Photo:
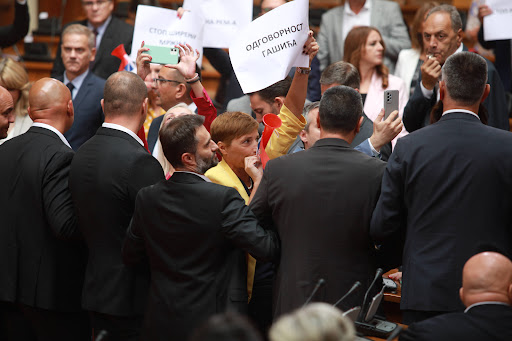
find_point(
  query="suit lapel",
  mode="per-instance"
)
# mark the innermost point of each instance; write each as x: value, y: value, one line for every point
x: 106, y: 41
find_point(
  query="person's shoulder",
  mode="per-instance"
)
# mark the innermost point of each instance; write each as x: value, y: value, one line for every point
x: 334, y: 12
x: 120, y: 25
x: 386, y: 4
x: 442, y: 327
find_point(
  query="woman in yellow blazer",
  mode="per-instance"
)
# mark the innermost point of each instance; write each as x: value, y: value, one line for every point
x: 236, y: 134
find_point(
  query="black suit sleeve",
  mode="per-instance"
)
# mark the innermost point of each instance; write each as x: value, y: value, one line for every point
x: 10, y: 34
x: 58, y: 205
x: 260, y: 204
x: 241, y: 227
x: 417, y: 111
x: 134, y: 251
x: 144, y: 171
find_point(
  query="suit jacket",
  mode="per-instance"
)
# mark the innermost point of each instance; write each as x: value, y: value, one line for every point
x: 38, y: 267
x: 106, y: 175
x: 194, y: 233
x: 88, y: 112
x: 117, y: 32
x: 447, y: 187
x: 385, y: 15
x: 417, y: 111
x: 10, y: 34
x: 339, y: 186
x: 480, y: 322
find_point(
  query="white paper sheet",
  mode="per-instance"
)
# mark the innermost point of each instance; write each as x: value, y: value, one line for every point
x: 498, y: 25
x: 267, y: 48
x: 162, y: 27
x: 223, y: 19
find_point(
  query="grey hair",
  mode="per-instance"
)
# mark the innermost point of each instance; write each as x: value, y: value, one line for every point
x: 81, y: 29
x: 452, y: 11
x: 341, y: 73
x: 465, y: 76
x: 307, y: 109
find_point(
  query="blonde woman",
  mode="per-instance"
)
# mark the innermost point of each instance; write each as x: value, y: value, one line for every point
x: 14, y: 78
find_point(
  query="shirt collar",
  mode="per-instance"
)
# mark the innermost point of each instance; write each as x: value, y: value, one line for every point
x: 124, y: 129
x: 460, y: 110
x: 101, y: 29
x: 202, y: 176
x: 77, y: 82
x: 367, y: 7
x: 49, y: 127
x: 484, y: 303
x: 192, y: 106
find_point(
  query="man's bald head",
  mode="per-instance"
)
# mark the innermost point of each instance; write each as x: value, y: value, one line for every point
x: 6, y: 111
x: 50, y: 102
x: 124, y: 94
x: 487, y: 276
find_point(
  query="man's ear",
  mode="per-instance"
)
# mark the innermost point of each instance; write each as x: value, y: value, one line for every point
x: 486, y: 93
x: 318, y: 121
x: 461, y: 294
x: 460, y: 36
x: 103, y: 106
x: 188, y: 159
x: 303, y: 136
x: 71, y: 109
x: 93, y: 54
x: 358, y: 126
x: 279, y: 101
x: 182, y: 90
x: 442, y: 90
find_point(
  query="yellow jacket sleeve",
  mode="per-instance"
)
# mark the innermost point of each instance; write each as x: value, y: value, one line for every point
x: 283, y: 137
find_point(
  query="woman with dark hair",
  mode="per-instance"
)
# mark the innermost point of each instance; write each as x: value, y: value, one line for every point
x: 364, y: 48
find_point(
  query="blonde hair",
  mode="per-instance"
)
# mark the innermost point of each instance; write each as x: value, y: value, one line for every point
x: 315, y: 322
x: 14, y: 77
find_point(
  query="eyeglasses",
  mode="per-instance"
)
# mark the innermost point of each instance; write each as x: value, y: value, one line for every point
x: 92, y: 3
x: 162, y: 80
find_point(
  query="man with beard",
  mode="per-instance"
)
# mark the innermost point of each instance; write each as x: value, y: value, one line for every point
x: 193, y: 233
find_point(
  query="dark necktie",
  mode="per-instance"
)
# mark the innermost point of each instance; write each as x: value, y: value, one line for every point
x: 71, y: 87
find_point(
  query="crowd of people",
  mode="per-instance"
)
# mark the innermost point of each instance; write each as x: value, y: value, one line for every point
x: 134, y: 208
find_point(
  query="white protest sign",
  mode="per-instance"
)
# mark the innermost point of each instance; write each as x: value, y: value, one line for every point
x: 266, y: 49
x: 162, y: 27
x: 498, y: 25
x: 223, y: 19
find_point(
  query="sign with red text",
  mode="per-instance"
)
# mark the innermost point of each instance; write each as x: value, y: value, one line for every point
x: 266, y: 49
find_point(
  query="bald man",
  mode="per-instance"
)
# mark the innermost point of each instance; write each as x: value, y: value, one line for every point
x: 6, y: 111
x: 42, y: 260
x: 487, y: 293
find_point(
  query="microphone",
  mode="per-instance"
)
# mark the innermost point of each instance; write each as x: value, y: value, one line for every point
x: 356, y: 286
x: 378, y: 275
x: 320, y: 282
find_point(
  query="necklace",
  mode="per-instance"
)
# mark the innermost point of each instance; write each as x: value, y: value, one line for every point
x: 250, y: 187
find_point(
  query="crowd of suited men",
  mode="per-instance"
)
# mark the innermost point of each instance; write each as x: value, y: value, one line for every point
x: 136, y: 208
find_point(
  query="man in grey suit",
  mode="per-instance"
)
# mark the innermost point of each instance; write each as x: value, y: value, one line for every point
x: 86, y: 88
x: 330, y: 239
x: 386, y: 16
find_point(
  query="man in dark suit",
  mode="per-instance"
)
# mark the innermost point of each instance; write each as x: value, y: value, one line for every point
x: 447, y: 187
x: 442, y: 35
x: 339, y: 186
x: 194, y: 234
x: 109, y: 31
x: 41, y: 274
x: 105, y: 176
x: 86, y: 88
x: 487, y: 293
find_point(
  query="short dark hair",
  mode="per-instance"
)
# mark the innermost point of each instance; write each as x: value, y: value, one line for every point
x: 341, y: 108
x: 123, y: 94
x: 179, y: 136
x: 341, y: 73
x: 279, y: 89
x: 228, y: 326
x: 465, y: 76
